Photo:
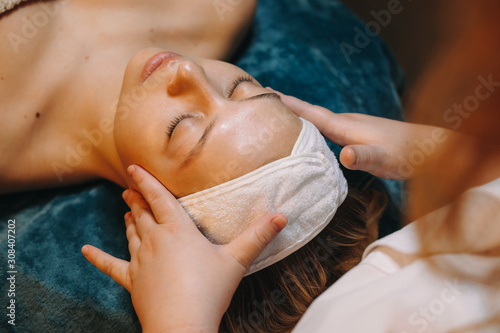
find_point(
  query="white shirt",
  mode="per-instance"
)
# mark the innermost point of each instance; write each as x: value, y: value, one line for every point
x: 394, y: 291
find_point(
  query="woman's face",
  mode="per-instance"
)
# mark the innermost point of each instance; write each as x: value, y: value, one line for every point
x: 196, y: 123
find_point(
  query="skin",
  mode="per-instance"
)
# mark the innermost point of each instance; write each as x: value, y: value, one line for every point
x: 154, y: 241
x: 56, y: 92
x: 66, y: 80
x: 47, y: 103
x: 198, y: 304
x: 239, y: 130
x: 371, y: 144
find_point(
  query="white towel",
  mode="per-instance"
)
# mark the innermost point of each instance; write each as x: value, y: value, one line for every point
x: 307, y: 187
x: 6, y: 5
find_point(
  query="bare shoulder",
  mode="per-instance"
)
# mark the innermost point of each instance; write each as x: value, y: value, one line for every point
x: 212, y: 28
x: 182, y: 12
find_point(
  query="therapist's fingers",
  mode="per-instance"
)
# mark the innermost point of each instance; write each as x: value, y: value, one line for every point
x: 133, y: 198
x: 134, y: 241
x: 321, y: 117
x: 129, y: 219
x: 373, y: 159
x: 141, y: 213
x: 363, y: 157
x: 131, y: 230
x: 340, y: 128
x: 248, y: 245
x: 163, y: 204
x: 299, y: 107
x: 109, y: 265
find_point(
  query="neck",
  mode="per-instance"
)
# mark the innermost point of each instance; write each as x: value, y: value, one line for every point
x: 105, y: 161
x: 87, y: 98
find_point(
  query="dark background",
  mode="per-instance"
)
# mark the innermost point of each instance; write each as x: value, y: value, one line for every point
x: 422, y: 30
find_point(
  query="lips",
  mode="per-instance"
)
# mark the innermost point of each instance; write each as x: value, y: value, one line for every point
x: 162, y: 58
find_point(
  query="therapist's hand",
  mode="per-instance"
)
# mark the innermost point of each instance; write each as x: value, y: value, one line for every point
x: 178, y: 280
x: 383, y: 147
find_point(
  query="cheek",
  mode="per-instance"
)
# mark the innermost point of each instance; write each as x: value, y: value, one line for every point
x: 132, y: 137
x: 127, y: 147
x: 138, y: 143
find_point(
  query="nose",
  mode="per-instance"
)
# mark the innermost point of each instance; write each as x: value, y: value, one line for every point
x: 190, y: 79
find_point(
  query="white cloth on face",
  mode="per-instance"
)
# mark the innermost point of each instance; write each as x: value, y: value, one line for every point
x: 307, y: 187
x: 396, y: 291
x: 6, y: 5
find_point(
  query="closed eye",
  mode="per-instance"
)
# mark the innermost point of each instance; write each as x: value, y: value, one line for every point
x: 239, y: 80
x: 173, y: 124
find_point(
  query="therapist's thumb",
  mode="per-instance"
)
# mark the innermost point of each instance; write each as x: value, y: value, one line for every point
x: 250, y: 243
x: 367, y: 158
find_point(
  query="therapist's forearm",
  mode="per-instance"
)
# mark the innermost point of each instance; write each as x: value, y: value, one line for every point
x: 460, y: 90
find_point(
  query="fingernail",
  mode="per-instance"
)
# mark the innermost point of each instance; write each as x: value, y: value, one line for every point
x: 85, y: 250
x: 131, y: 170
x: 354, y: 156
x: 125, y: 194
x: 278, y: 223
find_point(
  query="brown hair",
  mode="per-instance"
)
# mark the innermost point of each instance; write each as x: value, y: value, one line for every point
x: 274, y: 299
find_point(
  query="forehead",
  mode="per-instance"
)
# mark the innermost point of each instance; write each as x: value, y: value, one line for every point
x: 242, y: 140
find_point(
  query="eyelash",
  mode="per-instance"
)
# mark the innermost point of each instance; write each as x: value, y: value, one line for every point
x: 173, y: 124
x: 237, y: 82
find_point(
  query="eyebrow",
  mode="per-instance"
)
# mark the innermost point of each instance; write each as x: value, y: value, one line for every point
x: 266, y: 95
x: 199, y: 146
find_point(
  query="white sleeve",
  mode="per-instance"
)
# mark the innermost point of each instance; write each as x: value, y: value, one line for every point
x: 380, y: 295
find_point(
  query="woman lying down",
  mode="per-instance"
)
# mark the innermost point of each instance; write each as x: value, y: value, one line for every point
x: 228, y: 148
x: 231, y: 151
